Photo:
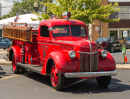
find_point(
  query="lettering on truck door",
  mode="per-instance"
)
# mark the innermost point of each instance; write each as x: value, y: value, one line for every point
x: 44, y: 42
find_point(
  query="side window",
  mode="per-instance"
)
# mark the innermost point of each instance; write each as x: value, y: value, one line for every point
x: 3, y: 40
x: 0, y: 39
x: 44, y: 32
x: 115, y: 40
x: 111, y: 40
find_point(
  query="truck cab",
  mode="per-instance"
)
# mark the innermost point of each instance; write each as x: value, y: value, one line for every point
x: 61, y: 49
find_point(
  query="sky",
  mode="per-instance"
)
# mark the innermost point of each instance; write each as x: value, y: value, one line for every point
x: 8, y: 3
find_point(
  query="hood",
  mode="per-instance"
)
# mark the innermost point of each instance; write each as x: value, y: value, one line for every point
x: 82, y: 44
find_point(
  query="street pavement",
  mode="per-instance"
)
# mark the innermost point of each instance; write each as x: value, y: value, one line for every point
x: 119, y: 65
x: 31, y: 85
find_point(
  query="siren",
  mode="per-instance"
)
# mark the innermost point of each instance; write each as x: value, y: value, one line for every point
x: 66, y: 15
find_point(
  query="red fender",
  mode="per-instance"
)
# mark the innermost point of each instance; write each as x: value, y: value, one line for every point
x: 16, y: 51
x: 62, y: 62
x: 106, y: 64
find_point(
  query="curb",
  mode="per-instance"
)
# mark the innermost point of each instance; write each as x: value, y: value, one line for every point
x: 123, y: 66
x: 118, y: 66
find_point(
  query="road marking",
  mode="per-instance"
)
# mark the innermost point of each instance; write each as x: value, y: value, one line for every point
x: 74, y: 83
x: 9, y: 77
x: 54, y: 90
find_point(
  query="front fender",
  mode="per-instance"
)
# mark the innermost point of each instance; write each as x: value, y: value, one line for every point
x: 63, y: 64
x: 107, y: 63
x: 16, y: 52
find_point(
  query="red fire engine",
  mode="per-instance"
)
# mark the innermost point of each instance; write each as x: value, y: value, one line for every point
x: 61, y: 49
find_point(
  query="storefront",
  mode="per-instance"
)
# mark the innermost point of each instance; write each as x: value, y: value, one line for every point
x: 121, y: 29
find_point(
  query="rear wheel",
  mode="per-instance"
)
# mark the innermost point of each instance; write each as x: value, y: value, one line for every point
x: 16, y: 69
x: 104, y: 81
x: 57, y: 79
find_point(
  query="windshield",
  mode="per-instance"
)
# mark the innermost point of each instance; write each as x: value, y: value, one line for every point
x: 59, y: 31
x: 102, y: 39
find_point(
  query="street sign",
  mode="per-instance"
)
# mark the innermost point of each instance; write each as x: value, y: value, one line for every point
x: 123, y: 50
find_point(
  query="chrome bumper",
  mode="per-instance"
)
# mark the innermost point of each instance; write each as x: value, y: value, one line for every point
x: 90, y: 74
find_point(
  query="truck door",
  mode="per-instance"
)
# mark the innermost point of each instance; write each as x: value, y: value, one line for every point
x: 44, y: 44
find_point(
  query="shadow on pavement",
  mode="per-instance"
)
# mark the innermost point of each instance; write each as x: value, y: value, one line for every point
x: 1, y: 68
x: 89, y: 86
x: 38, y: 77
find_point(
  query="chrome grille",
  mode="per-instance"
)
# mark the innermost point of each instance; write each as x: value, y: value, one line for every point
x: 88, y: 63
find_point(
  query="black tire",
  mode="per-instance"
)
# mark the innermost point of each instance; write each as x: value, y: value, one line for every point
x: 57, y: 79
x: 104, y: 81
x: 16, y: 69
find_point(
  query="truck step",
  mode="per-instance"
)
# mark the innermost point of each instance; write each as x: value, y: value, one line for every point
x: 34, y: 68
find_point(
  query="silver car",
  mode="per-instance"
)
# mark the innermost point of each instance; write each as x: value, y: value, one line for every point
x: 126, y: 42
x: 4, y: 43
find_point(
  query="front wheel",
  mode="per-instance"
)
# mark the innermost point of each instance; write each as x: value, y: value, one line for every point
x: 16, y: 69
x: 104, y: 81
x: 57, y: 79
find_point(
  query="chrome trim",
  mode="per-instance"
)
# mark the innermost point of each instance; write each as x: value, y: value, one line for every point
x: 90, y: 74
x: 87, y: 52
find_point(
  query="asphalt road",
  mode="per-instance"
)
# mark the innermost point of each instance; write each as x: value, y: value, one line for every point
x: 119, y: 57
x: 35, y: 86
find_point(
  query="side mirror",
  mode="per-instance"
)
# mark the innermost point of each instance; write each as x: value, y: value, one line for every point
x: 50, y: 29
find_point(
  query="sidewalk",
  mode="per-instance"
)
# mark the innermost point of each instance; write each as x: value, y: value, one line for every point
x: 118, y: 66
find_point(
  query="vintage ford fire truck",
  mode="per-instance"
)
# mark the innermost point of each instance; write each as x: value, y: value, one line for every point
x: 61, y: 49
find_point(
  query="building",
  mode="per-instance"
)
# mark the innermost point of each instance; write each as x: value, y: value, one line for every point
x: 98, y: 29
x: 121, y: 29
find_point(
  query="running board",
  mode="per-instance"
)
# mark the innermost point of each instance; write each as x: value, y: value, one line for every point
x: 34, y: 68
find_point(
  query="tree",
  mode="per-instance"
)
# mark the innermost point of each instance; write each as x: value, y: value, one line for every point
x: 84, y: 10
x: 24, y: 7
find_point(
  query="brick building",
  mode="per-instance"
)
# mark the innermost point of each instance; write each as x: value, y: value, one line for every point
x: 98, y: 29
x: 120, y: 29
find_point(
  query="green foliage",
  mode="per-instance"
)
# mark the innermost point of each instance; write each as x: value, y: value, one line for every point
x: 84, y: 10
x: 24, y: 7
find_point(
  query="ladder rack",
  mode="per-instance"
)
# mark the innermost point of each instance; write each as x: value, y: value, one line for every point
x: 17, y: 32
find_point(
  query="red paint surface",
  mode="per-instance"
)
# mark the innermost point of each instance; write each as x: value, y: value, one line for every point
x: 42, y: 49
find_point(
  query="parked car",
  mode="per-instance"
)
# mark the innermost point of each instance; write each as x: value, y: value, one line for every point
x: 4, y: 43
x: 127, y: 42
x: 112, y: 44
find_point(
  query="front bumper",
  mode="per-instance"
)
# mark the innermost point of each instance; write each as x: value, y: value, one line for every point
x: 90, y: 74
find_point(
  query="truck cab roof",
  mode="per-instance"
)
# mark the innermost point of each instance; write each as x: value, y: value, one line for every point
x: 56, y: 22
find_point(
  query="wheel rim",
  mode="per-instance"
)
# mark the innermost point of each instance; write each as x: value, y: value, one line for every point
x: 54, y: 76
x: 13, y: 64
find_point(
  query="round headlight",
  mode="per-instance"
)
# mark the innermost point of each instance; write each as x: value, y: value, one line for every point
x: 72, y: 54
x: 104, y: 53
